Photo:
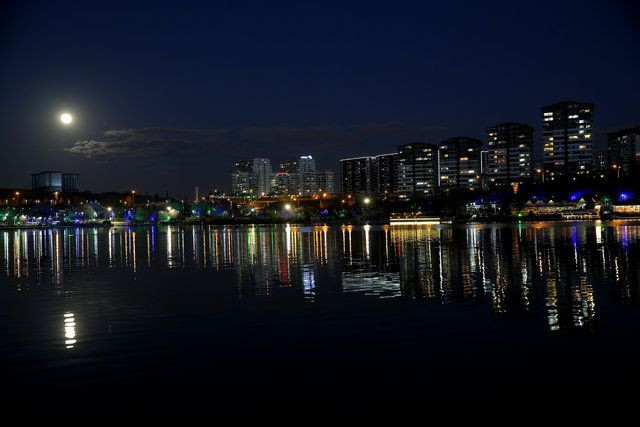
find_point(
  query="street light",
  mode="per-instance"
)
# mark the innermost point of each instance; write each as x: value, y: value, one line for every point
x: 367, y: 200
x: 133, y: 197
x: 287, y: 206
x: 617, y: 168
x: 541, y: 171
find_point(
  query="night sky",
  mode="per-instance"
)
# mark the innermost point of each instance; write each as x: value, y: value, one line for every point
x: 166, y: 96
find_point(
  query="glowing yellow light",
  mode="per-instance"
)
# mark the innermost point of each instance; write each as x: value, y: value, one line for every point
x: 66, y: 118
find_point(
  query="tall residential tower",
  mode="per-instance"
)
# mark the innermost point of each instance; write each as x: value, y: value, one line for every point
x: 416, y: 169
x: 460, y: 162
x: 567, y: 133
x: 510, y: 154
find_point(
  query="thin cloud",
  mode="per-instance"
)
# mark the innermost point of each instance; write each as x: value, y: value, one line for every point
x: 150, y: 142
x: 247, y: 142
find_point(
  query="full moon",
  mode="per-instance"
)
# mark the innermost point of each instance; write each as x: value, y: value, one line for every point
x: 66, y: 118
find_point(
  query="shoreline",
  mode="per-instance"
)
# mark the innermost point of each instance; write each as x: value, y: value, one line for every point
x: 360, y: 223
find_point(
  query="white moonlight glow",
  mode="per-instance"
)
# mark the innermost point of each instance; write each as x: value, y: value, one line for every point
x: 66, y: 118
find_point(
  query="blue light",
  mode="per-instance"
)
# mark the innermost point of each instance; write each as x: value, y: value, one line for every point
x: 624, y: 196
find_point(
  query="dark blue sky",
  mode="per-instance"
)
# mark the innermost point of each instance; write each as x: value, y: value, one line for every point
x: 167, y: 95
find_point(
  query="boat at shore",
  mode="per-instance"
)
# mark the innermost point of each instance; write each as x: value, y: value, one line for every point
x: 416, y: 218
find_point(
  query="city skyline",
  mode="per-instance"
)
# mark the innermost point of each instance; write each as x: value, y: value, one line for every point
x: 318, y: 205
x: 326, y: 81
x: 508, y: 149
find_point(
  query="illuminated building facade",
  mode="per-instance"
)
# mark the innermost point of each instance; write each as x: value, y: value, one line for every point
x: 510, y: 153
x: 307, y: 178
x: 484, y: 168
x: 355, y: 175
x: 295, y: 177
x: 325, y: 181
x: 284, y: 183
x: 54, y: 181
x: 383, y: 174
x: 261, y: 176
x: 601, y: 164
x: 460, y: 162
x: 567, y: 132
x: 70, y: 183
x: 251, y: 177
x: 624, y: 149
x: 289, y: 166
x: 370, y: 175
x: 416, y: 169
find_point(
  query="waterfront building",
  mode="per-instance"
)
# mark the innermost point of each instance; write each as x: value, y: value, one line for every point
x: 567, y: 133
x: 484, y: 168
x: 416, y: 169
x: 307, y: 178
x: 251, y: 177
x: 284, y: 183
x: 383, y: 174
x: 325, y: 181
x: 295, y: 177
x: 70, y: 183
x: 623, y: 148
x: 601, y: 164
x: 55, y: 181
x: 370, y: 175
x: 261, y: 176
x: 460, y: 162
x: 355, y: 176
x: 510, y: 153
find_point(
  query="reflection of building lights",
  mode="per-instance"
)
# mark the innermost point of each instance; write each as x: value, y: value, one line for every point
x: 69, y: 330
x: 288, y: 237
x: 367, y: 227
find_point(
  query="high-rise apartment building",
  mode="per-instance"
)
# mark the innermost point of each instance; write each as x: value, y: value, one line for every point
x: 289, y: 166
x: 241, y: 178
x: 325, y: 181
x: 416, y: 169
x: 601, y: 164
x: 510, y: 153
x: 370, y: 175
x: 460, y: 162
x: 251, y: 177
x: 567, y: 133
x: 307, y: 178
x: 355, y: 176
x: 383, y: 174
x: 284, y: 183
x: 295, y: 177
x: 623, y: 147
x: 261, y: 176
x: 53, y: 181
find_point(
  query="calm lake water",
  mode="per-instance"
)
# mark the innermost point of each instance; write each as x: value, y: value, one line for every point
x: 153, y: 309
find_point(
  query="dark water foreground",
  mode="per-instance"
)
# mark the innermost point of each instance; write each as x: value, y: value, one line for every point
x: 271, y: 315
